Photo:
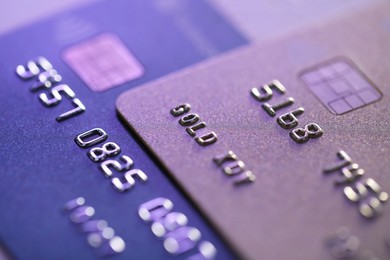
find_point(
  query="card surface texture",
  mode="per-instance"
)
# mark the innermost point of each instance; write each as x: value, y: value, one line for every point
x: 64, y: 142
x: 260, y: 145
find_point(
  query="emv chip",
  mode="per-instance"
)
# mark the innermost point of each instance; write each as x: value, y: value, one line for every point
x: 340, y: 86
x: 103, y: 62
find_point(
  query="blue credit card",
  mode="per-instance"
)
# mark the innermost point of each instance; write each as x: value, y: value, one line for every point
x: 64, y: 145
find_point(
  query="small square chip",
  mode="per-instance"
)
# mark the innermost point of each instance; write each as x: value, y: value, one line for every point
x: 340, y: 86
x: 103, y: 62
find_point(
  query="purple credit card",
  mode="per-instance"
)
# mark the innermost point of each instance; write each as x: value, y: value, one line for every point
x: 258, y: 141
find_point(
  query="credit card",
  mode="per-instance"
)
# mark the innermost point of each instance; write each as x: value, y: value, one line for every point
x: 283, y: 145
x: 64, y: 145
x: 64, y: 142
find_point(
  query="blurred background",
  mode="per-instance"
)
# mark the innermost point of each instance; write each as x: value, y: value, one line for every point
x: 257, y: 19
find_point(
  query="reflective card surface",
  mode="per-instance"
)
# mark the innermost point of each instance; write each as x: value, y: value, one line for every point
x: 65, y: 145
x: 262, y: 149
